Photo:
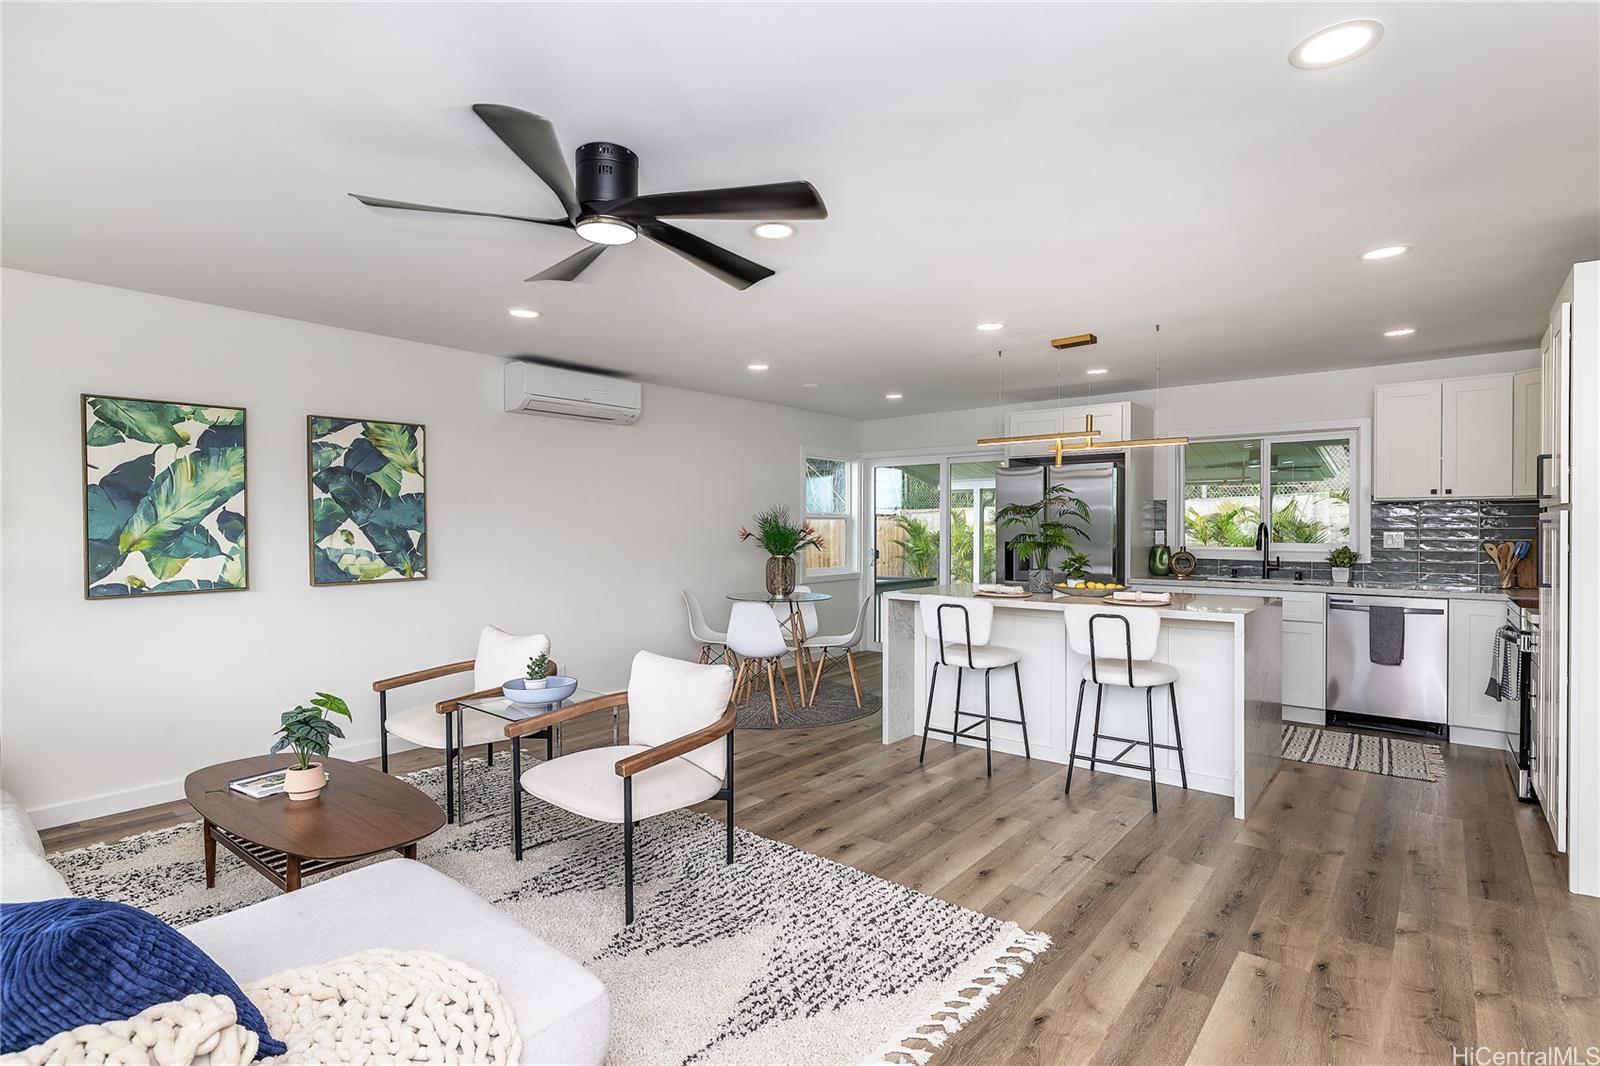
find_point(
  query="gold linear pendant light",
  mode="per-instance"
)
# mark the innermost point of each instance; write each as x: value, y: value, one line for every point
x: 1084, y: 440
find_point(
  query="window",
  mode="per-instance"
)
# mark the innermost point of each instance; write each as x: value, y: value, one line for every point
x: 830, y: 493
x: 1302, y: 483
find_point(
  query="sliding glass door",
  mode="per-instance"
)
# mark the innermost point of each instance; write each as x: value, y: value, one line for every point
x: 970, y: 512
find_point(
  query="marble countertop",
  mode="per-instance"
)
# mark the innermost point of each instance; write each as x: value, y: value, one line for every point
x: 1190, y: 605
x: 1270, y: 585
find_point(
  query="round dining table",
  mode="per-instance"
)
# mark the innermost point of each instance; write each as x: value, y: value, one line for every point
x: 796, y: 623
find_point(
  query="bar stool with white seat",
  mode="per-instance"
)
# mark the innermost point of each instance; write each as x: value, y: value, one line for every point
x: 1120, y: 643
x: 947, y: 618
x: 755, y: 637
x: 713, y: 644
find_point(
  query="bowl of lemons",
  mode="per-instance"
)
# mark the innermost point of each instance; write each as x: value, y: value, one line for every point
x: 1095, y: 589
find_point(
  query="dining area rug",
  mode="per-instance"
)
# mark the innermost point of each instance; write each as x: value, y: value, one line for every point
x: 781, y: 956
x: 835, y: 704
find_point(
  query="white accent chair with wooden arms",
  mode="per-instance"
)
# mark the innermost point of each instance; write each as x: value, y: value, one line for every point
x: 501, y: 657
x: 680, y: 752
x: 840, y: 642
x: 713, y: 644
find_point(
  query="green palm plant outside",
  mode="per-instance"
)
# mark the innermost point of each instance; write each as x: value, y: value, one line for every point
x: 1232, y: 525
x: 1290, y: 527
x: 919, y: 547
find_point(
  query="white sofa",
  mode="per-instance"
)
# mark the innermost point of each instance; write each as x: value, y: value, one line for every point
x: 561, y: 1009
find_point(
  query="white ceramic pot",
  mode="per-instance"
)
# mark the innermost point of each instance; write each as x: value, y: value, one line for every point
x: 530, y: 683
x: 305, y: 784
x: 1341, y: 575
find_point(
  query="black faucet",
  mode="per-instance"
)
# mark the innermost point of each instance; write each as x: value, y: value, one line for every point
x: 1263, y: 542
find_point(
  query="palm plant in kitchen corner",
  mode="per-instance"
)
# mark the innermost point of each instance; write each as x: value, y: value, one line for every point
x: 1049, y: 526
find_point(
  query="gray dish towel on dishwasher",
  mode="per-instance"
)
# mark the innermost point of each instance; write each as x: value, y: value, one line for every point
x: 1386, y: 635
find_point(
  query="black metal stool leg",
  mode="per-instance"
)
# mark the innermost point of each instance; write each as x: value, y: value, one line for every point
x: 1177, y: 734
x: 927, y: 720
x: 627, y: 849
x: 488, y: 754
x: 1094, y: 741
x: 1077, y: 721
x: 1150, y: 722
x: 1016, y: 672
x: 955, y: 721
x: 988, y: 730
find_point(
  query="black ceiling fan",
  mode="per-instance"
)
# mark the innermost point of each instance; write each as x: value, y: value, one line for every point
x: 605, y: 208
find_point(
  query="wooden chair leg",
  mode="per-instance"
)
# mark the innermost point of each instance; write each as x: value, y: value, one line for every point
x: 772, y: 689
x: 738, y: 684
x: 816, y: 675
x: 705, y: 653
x: 788, y: 697
x: 855, y: 679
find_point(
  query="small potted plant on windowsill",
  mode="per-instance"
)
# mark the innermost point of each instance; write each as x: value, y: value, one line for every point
x: 308, y: 730
x: 1341, y: 559
x: 538, y: 671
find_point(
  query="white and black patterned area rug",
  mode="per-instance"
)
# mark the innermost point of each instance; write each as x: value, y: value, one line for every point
x: 1389, y: 756
x: 782, y: 957
x: 835, y: 703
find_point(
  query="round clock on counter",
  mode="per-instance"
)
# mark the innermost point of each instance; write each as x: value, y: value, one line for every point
x: 1183, y: 563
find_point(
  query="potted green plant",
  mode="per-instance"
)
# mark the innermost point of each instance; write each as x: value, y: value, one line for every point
x: 782, y: 540
x: 1049, y: 526
x: 1341, y: 559
x: 538, y: 671
x: 307, y: 731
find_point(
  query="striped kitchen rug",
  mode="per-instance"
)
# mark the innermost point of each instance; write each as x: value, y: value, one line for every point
x: 1410, y: 759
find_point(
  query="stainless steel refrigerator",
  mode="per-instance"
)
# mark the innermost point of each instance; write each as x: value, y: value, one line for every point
x: 1098, y: 481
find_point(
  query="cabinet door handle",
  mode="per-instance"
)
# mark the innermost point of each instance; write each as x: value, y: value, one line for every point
x: 1448, y: 491
x: 1433, y: 492
x: 1538, y: 473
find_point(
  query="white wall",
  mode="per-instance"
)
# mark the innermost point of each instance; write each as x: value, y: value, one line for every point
x: 584, y: 532
x: 1202, y: 410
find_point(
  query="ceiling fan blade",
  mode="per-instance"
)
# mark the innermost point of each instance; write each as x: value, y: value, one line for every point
x: 570, y: 267
x: 401, y: 205
x: 734, y: 269
x: 785, y: 199
x: 533, y: 139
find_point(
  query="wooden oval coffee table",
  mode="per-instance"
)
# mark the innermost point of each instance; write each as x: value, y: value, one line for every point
x: 361, y: 812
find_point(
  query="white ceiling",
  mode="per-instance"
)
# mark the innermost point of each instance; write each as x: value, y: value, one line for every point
x: 1061, y: 168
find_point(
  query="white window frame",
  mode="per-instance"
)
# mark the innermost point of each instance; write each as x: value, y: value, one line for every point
x: 851, y: 566
x: 1359, y: 433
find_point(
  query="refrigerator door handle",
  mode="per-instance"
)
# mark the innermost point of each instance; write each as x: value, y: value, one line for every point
x: 1538, y: 474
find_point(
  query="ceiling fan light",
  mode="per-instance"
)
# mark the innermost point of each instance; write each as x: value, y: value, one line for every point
x: 603, y: 229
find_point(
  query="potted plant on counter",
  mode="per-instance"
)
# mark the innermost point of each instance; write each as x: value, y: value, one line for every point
x: 1341, y: 560
x: 782, y: 541
x: 308, y: 730
x: 1049, y: 526
x: 538, y: 671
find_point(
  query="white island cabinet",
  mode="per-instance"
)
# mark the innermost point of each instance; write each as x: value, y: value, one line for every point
x: 1227, y: 651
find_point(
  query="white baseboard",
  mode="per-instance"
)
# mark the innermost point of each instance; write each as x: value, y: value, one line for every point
x: 131, y: 799
x: 1304, y: 715
x: 1480, y: 738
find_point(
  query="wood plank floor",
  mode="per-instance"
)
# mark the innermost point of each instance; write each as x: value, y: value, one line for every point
x: 1352, y: 918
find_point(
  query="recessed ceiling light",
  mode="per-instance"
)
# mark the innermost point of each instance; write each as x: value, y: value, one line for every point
x: 756, y: 366
x: 893, y: 396
x: 1337, y: 44
x: 773, y: 231
x: 1405, y: 332
x: 1388, y: 251
x: 990, y: 327
x: 603, y: 229
x: 1097, y: 370
x: 523, y: 312
x: 812, y: 385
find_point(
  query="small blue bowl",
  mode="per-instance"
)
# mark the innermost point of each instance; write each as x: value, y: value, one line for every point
x: 555, y: 690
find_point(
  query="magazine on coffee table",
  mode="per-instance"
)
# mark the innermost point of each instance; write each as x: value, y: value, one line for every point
x: 260, y: 786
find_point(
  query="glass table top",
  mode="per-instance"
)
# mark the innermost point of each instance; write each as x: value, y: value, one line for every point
x: 767, y: 597
x: 506, y: 710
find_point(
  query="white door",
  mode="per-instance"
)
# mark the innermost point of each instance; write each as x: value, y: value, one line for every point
x: 1473, y: 624
x: 1549, y: 779
x: 1527, y: 421
x: 1304, y: 669
x: 1406, y: 440
x: 1477, y: 444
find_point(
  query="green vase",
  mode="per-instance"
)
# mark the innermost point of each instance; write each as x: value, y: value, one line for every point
x: 1160, y: 561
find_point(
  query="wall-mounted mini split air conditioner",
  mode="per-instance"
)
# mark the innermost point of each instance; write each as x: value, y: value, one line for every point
x: 535, y: 389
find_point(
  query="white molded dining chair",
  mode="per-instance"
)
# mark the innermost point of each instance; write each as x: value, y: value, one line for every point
x: 961, y: 627
x: 845, y: 642
x: 1120, y: 644
x: 785, y: 613
x: 755, y: 637
x: 713, y: 643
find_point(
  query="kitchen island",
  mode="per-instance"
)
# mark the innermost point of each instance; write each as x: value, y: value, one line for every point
x: 1227, y: 651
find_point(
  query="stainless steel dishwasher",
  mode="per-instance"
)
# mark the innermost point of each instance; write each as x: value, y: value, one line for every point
x: 1409, y: 696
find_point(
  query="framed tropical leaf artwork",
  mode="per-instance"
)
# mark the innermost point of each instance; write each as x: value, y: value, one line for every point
x: 369, y: 512
x: 163, y: 496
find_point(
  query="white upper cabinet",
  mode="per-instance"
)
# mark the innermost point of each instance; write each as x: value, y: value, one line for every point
x: 1111, y: 419
x: 1406, y: 436
x: 1476, y: 453
x: 1474, y: 437
x: 1527, y: 424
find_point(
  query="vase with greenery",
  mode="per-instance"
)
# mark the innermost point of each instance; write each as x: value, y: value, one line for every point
x: 782, y: 540
x: 538, y: 671
x: 307, y: 731
x: 1049, y: 526
x: 1341, y: 559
